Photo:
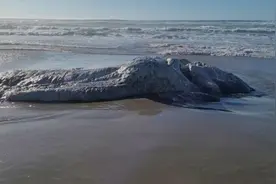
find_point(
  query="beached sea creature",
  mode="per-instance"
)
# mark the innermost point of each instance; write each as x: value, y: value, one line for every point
x: 168, y: 81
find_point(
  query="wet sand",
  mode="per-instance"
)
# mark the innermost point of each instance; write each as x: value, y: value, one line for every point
x: 134, y: 141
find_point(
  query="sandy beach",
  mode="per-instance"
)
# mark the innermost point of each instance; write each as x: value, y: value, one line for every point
x: 134, y: 141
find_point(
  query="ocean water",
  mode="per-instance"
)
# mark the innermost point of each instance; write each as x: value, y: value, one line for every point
x: 216, y: 38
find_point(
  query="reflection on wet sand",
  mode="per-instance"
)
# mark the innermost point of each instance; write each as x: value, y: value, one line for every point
x: 139, y: 106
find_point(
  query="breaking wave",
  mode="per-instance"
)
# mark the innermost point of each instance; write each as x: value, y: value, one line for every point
x: 218, y: 38
x: 210, y: 29
x: 52, y: 30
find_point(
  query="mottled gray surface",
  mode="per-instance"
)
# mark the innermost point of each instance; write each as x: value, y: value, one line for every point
x: 214, y: 81
x: 176, y: 80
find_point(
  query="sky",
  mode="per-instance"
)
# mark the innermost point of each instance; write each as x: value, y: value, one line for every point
x: 140, y: 9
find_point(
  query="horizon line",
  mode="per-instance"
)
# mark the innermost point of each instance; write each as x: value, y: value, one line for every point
x: 114, y: 19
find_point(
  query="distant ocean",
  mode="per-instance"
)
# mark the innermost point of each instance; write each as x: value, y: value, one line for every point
x: 216, y: 38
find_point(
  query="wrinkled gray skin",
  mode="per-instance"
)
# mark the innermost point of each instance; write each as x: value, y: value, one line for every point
x: 162, y: 80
